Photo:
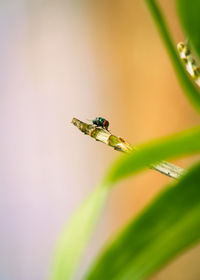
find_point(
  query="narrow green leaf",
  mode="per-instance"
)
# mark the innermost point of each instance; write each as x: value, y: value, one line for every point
x: 168, y: 147
x: 77, y: 233
x: 165, y: 228
x: 189, y: 88
x: 75, y: 236
x: 189, y: 12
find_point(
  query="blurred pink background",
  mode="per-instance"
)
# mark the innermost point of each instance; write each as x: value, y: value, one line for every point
x: 81, y: 59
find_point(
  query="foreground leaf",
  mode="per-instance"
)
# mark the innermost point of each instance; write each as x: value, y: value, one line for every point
x: 75, y: 237
x: 189, y: 12
x: 146, y: 154
x: 167, y: 226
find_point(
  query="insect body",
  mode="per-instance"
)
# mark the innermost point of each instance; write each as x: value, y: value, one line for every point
x: 101, y: 122
x: 190, y: 64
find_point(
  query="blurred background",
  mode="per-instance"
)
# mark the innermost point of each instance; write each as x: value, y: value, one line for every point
x: 84, y: 59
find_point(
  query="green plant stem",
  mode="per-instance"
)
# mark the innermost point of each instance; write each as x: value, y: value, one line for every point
x: 121, y: 145
x: 189, y: 88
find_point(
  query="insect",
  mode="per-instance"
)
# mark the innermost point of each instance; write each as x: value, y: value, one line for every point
x: 101, y: 122
x: 190, y: 64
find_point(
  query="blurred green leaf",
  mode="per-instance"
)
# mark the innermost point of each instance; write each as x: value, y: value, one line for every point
x: 189, y: 12
x: 189, y: 88
x: 76, y: 235
x: 165, y: 228
x: 168, y: 147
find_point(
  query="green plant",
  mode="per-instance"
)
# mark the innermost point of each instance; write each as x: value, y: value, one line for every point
x: 170, y: 223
